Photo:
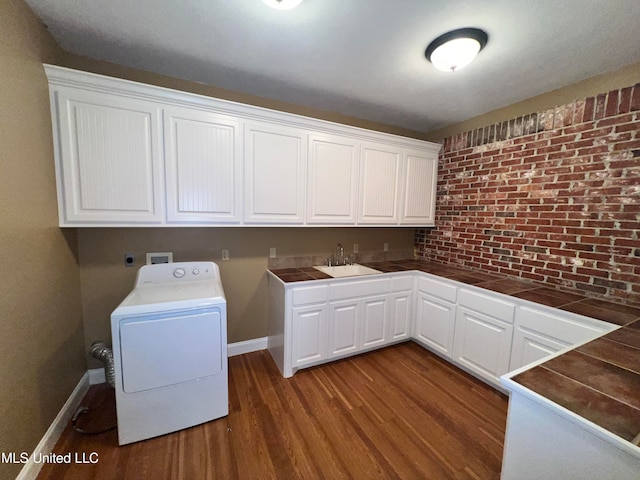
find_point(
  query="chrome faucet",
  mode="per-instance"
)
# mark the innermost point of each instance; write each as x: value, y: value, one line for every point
x: 339, y: 257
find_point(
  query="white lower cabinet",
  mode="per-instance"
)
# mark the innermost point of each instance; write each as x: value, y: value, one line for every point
x: 435, y: 315
x: 357, y: 324
x: 483, y: 334
x: 481, y: 331
x: 375, y: 317
x: 482, y: 344
x: 435, y: 322
x: 358, y: 315
x: 343, y: 327
x: 309, y: 334
x: 400, y: 317
x: 541, y: 332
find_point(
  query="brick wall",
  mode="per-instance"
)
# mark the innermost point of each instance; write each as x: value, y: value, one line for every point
x: 551, y: 197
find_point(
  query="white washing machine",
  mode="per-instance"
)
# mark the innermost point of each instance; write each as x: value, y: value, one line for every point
x: 169, y: 341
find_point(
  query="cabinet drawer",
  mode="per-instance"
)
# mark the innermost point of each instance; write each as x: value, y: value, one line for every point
x: 560, y: 327
x: 405, y: 282
x: 306, y: 295
x: 356, y: 289
x: 491, y: 306
x: 437, y: 288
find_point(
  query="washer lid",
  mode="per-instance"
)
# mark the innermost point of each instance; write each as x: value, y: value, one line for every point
x: 171, y: 296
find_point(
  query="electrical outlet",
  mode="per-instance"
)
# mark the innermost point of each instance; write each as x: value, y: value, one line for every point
x: 355, y: 248
x: 386, y: 247
x: 272, y: 252
x: 225, y: 254
x: 129, y: 259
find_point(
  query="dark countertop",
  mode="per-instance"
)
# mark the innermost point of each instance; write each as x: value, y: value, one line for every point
x: 600, y: 380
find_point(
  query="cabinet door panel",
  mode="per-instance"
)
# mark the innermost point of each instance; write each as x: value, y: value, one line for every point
x: 529, y: 346
x: 374, y: 321
x: 482, y: 343
x: 343, y: 327
x: 435, y: 323
x: 380, y: 181
x: 275, y: 169
x: 400, y: 321
x: 418, y: 203
x: 309, y: 331
x: 202, y: 167
x: 333, y: 180
x: 111, y: 160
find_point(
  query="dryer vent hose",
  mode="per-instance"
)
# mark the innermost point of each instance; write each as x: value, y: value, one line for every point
x: 100, y: 351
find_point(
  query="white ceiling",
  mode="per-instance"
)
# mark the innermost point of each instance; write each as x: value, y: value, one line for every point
x: 363, y: 58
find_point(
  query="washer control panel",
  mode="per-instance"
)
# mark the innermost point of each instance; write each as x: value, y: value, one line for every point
x: 177, y: 272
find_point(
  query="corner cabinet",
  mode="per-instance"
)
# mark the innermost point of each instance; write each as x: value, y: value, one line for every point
x: 129, y: 154
x: 420, y: 174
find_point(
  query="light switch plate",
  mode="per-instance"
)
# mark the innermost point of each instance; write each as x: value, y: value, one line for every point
x: 272, y: 252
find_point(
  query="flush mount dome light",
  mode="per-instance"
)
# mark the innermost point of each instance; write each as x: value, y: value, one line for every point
x: 456, y: 49
x: 283, y: 4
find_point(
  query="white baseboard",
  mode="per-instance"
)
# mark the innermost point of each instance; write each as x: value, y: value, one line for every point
x: 45, y: 446
x: 248, y: 346
x: 96, y: 376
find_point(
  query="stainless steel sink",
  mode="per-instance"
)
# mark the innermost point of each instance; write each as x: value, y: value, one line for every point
x: 346, y: 270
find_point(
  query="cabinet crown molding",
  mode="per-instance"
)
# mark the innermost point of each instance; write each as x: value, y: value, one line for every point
x: 68, y: 77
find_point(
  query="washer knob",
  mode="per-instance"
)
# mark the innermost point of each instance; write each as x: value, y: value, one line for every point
x: 196, y: 271
x: 179, y: 272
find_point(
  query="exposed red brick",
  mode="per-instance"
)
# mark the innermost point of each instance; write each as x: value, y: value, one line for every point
x: 635, y: 98
x: 612, y: 103
x: 600, y: 106
x: 589, y: 108
x: 528, y: 206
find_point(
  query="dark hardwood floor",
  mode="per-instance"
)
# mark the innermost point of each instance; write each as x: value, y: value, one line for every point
x: 399, y: 412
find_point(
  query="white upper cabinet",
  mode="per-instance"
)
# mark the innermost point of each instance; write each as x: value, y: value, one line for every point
x: 380, y: 182
x: 332, y: 180
x: 109, y: 163
x: 203, y: 160
x: 419, y: 193
x: 275, y: 174
x: 129, y: 154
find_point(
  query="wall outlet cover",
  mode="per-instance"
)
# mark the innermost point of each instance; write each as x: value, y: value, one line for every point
x: 159, y: 257
x: 129, y: 259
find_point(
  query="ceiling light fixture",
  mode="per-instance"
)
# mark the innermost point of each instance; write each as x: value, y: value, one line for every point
x: 456, y: 49
x: 283, y: 4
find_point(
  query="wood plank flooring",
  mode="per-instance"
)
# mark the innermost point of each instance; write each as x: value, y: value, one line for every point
x: 400, y: 412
